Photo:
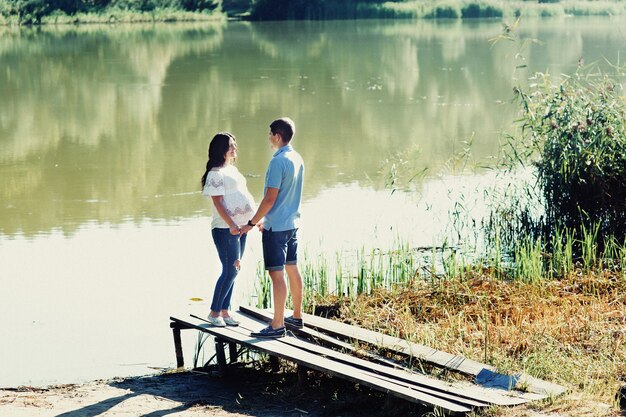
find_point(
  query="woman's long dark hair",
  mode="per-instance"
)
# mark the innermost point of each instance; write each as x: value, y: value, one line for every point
x: 220, y: 144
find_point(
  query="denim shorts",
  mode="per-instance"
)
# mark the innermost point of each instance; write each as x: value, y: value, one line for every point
x: 280, y: 249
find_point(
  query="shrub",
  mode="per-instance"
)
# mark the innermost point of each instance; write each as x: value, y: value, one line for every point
x: 197, y: 5
x: 444, y: 11
x: 578, y: 130
x: 473, y: 10
x: 31, y: 11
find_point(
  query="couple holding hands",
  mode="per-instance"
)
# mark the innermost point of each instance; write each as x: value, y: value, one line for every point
x: 235, y: 214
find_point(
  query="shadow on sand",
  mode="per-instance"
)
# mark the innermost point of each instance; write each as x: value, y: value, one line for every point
x: 251, y: 391
x: 240, y: 392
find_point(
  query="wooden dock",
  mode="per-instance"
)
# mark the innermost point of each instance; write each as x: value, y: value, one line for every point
x: 329, y: 346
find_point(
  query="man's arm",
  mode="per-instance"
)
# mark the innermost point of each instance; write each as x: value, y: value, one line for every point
x: 266, y: 205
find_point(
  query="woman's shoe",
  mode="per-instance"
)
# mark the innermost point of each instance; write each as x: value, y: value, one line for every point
x: 230, y: 321
x: 216, y: 321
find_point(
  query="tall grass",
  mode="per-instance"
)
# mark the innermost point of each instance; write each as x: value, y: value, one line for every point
x: 534, y: 260
x: 263, y: 286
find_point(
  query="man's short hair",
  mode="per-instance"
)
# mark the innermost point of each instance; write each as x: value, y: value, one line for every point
x: 285, y: 127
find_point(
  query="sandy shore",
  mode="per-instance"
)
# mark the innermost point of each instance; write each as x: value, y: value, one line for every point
x: 243, y: 392
x: 179, y: 394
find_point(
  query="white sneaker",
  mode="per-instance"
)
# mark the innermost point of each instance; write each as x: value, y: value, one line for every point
x: 230, y: 321
x: 216, y: 321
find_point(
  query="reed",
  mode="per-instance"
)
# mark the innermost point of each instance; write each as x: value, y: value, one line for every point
x: 534, y: 260
x: 198, y: 355
x: 263, y: 287
x: 562, y: 260
x: 529, y: 261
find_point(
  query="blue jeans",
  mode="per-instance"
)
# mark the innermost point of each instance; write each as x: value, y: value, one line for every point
x: 229, y: 248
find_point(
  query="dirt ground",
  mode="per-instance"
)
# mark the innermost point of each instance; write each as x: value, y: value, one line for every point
x: 244, y: 391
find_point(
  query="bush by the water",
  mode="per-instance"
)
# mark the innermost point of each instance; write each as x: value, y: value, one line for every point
x: 317, y: 9
x: 577, y: 128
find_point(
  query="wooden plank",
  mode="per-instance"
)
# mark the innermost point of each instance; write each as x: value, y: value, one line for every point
x: 368, y: 367
x: 425, y: 353
x: 202, y: 328
x: 302, y: 344
x: 333, y: 368
x: 436, y: 357
x: 321, y: 338
x: 250, y: 324
x: 475, y: 395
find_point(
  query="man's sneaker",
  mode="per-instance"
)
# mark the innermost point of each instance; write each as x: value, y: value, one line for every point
x: 216, y: 321
x: 269, y: 333
x: 294, y: 322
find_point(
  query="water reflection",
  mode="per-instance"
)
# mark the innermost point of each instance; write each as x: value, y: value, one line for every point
x: 112, y: 124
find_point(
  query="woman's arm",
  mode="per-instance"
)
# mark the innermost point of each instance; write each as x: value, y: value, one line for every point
x: 218, y: 201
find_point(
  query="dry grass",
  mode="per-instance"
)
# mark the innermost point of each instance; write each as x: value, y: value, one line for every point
x: 570, y: 331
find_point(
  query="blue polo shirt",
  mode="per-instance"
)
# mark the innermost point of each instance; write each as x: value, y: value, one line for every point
x: 285, y: 172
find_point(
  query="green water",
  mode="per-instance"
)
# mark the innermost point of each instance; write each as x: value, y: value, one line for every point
x: 103, y: 139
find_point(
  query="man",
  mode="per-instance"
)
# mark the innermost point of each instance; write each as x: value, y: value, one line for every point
x: 280, y: 208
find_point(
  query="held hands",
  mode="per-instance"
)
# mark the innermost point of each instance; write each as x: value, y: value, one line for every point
x: 235, y: 230
x: 247, y: 227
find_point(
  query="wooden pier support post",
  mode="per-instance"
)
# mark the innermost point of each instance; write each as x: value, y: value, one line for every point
x: 178, y: 347
x: 302, y: 376
x: 232, y: 352
x: 274, y: 363
x: 221, y: 356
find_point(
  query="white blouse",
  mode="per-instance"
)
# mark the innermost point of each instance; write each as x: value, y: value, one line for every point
x: 239, y: 204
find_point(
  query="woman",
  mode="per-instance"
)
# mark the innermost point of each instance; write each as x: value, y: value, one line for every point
x: 232, y: 207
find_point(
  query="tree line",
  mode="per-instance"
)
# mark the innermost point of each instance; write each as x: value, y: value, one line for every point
x: 34, y: 11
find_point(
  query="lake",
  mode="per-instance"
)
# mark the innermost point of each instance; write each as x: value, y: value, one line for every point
x: 103, y: 140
